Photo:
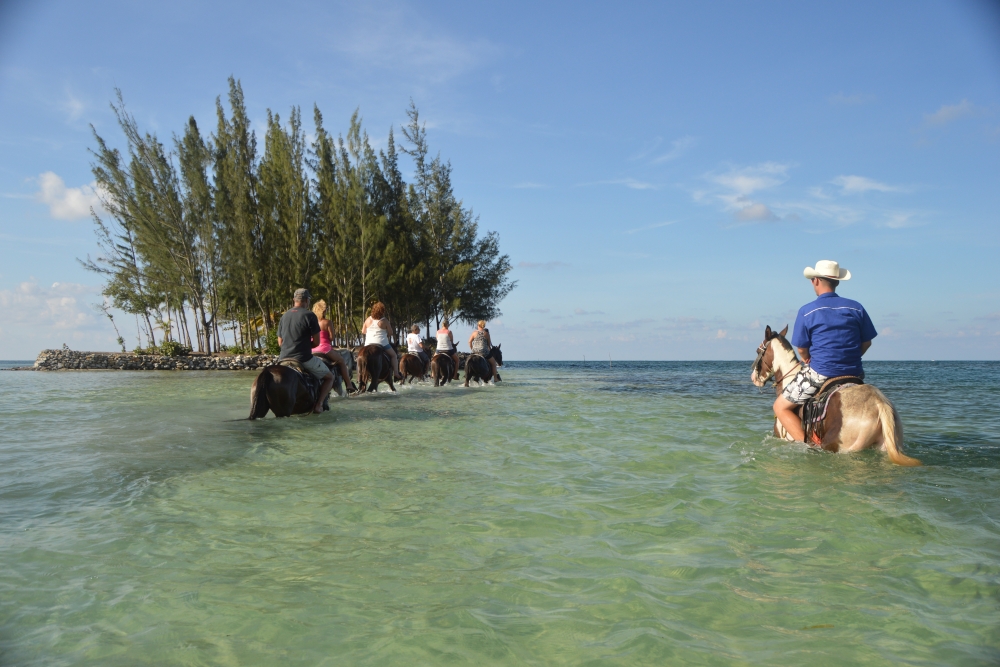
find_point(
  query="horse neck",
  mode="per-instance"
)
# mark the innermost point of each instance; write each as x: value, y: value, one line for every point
x: 784, y: 361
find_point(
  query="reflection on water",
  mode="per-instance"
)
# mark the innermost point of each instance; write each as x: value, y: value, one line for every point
x: 576, y: 514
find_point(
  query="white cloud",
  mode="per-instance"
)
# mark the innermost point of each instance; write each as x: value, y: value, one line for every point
x: 950, y: 112
x: 65, y: 203
x: 72, y: 106
x: 850, y: 185
x: 747, y: 180
x: 755, y: 213
x: 680, y: 146
x: 900, y: 220
x: 632, y: 184
x: 402, y: 41
x: 37, y: 317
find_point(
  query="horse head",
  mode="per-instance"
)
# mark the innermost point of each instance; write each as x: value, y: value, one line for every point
x: 497, y: 355
x: 765, y: 365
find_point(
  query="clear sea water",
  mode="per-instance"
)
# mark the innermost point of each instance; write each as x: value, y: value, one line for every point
x: 575, y: 515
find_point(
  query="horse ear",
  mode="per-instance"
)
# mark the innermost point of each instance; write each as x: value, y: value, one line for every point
x: 783, y: 331
x: 498, y: 346
x: 767, y: 332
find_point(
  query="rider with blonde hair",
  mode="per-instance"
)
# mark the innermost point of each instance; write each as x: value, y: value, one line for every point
x: 325, y: 347
x: 377, y: 328
x: 481, y: 344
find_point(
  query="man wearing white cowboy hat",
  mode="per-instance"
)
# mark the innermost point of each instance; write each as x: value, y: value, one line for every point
x: 831, y: 334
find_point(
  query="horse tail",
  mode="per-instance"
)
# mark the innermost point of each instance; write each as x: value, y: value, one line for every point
x: 892, y: 432
x: 363, y: 376
x: 259, y: 404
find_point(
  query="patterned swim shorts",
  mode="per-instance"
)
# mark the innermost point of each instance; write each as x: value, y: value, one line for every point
x: 803, y: 386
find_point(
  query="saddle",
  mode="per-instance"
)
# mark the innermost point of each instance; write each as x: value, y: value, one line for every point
x: 311, y: 382
x: 813, y: 412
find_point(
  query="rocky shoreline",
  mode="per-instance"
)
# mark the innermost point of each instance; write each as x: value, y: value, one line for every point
x: 62, y: 360
x: 58, y: 360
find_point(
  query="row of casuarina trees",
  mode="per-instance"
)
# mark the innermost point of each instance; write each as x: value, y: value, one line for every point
x: 215, y: 232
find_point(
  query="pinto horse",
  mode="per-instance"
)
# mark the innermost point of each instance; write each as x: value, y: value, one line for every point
x: 410, y: 367
x: 857, y: 416
x: 442, y: 369
x: 284, y: 391
x: 374, y: 366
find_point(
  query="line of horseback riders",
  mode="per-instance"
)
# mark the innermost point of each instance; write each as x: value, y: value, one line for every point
x: 302, y: 379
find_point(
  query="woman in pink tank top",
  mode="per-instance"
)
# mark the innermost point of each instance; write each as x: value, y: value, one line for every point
x: 325, y: 347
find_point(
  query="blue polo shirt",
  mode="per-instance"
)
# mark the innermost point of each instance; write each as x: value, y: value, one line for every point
x: 833, y: 329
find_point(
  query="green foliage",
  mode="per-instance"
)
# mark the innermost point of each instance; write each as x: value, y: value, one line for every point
x: 219, y: 231
x: 271, y: 345
x: 168, y: 348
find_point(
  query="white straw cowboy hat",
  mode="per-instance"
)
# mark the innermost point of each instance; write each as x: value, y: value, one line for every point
x: 826, y: 268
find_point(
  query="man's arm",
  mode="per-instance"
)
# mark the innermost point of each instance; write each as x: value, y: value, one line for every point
x: 864, y: 347
x: 280, y: 342
x: 315, y: 340
x: 804, y: 354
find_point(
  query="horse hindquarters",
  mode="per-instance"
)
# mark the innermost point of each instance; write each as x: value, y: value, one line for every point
x: 259, y: 404
x: 859, y: 417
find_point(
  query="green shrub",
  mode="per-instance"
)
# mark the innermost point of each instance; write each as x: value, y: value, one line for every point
x: 271, y: 342
x: 172, y: 348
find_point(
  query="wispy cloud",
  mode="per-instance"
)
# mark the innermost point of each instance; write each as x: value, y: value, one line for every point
x: 744, y: 181
x: 65, y: 203
x: 851, y: 100
x: 850, y: 185
x: 680, y: 146
x: 755, y: 213
x: 949, y: 112
x: 630, y: 183
x: 403, y: 41
x: 654, y: 226
x: 543, y: 311
x: 529, y: 186
x: 545, y: 266
x: 72, y: 106
x: 581, y: 311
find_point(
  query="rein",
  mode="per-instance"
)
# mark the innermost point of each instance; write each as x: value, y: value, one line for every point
x: 759, y: 366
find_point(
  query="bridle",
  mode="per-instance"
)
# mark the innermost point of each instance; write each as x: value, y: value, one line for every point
x: 759, y: 368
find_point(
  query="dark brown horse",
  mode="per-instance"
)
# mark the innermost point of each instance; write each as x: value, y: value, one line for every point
x: 374, y: 366
x: 478, y: 368
x: 410, y: 367
x: 284, y: 391
x: 442, y: 369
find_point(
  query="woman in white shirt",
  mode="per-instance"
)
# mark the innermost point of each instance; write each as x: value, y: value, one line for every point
x: 377, y: 329
x: 446, y: 344
x: 416, y: 346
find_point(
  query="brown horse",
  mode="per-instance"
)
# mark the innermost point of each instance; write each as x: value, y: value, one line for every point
x: 410, y: 367
x: 478, y: 368
x: 857, y: 417
x: 374, y: 366
x: 442, y: 369
x: 284, y: 391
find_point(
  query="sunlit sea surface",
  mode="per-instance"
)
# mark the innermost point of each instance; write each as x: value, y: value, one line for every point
x: 575, y: 515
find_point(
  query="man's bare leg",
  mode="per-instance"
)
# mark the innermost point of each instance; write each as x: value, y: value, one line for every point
x: 324, y: 390
x: 784, y: 410
x: 493, y: 367
x: 454, y: 357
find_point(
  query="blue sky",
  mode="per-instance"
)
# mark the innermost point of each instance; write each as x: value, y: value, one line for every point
x: 659, y: 173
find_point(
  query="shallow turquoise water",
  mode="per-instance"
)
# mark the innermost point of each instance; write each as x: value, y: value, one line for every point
x: 574, y: 515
